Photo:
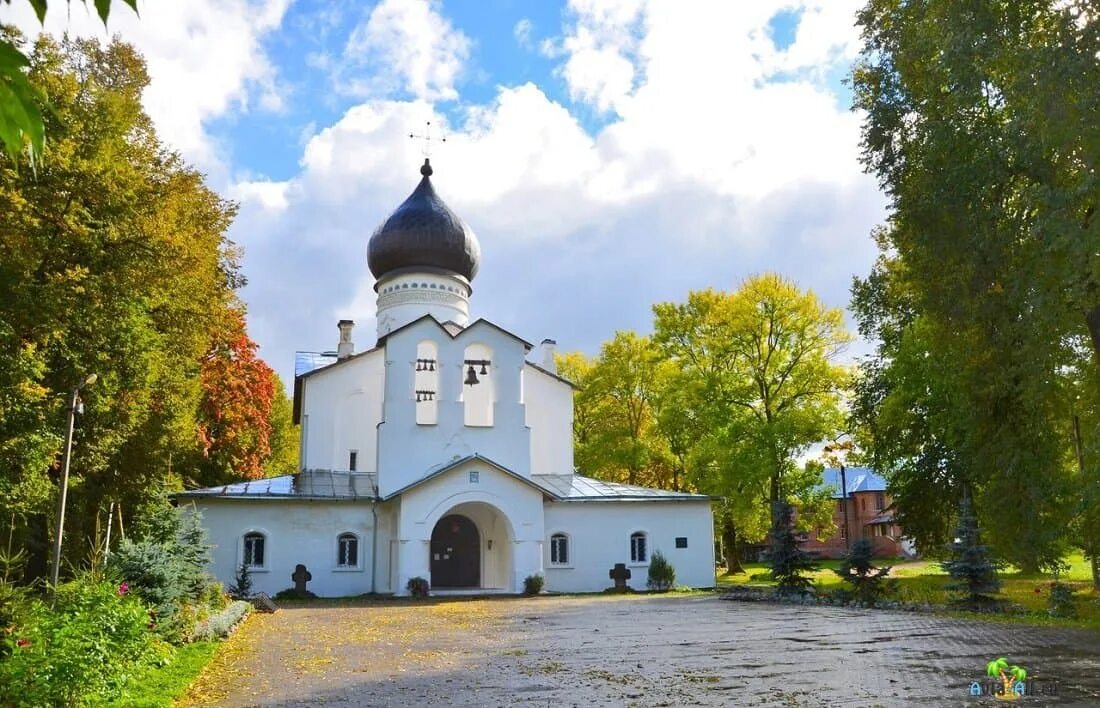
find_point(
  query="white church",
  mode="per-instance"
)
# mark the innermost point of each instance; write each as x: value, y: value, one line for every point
x: 442, y: 453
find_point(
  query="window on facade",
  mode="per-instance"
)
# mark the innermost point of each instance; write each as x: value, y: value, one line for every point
x: 880, y: 501
x: 638, y: 551
x: 559, y: 549
x: 254, y: 550
x: 426, y: 383
x: 843, y: 531
x: 353, y: 460
x: 681, y: 542
x: 840, y: 506
x: 347, y: 550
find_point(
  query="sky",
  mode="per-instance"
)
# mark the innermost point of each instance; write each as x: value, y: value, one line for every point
x: 609, y: 154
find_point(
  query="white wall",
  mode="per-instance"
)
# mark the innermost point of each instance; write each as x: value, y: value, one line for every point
x: 408, y: 451
x: 549, y: 409
x: 599, y: 537
x: 295, y: 532
x: 404, y: 297
x: 516, y: 528
x: 341, y: 409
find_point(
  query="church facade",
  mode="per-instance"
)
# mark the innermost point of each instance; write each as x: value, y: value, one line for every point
x: 442, y: 452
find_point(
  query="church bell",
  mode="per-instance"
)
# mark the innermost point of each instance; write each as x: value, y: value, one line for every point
x: 471, y: 376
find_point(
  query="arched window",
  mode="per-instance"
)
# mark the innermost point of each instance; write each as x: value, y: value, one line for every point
x: 478, y: 387
x: 426, y: 383
x: 347, y: 550
x: 559, y: 549
x: 638, y: 551
x: 254, y: 551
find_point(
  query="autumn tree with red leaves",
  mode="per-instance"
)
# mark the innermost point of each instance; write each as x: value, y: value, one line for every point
x: 235, y: 416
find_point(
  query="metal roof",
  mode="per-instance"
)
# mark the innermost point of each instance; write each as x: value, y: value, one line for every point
x: 311, y: 485
x: 859, y: 479
x: 424, y: 232
x: 574, y: 487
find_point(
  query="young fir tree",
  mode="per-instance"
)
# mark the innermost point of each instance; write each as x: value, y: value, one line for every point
x: 788, y: 562
x: 969, y: 564
x: 858, y: 569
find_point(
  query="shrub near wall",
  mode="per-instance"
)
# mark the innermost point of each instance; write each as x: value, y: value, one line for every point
x: 81, y: 650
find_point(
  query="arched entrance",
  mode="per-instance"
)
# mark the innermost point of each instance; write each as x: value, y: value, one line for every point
x: 456, y: 553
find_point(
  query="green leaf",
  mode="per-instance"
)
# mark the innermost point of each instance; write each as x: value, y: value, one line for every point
x: 39, y: 9
x: 103, y: 7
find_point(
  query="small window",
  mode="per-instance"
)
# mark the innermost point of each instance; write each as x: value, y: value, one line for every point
x: 638, y: 552
x: 475, y: 476
x: 559, y: 549
x: 840, y: 506
x: 681, y: 542
x: 254, y: 550
x: 843, y: 532
x: 880, y: 501
x: 347, y: 550
x: 353, y: 460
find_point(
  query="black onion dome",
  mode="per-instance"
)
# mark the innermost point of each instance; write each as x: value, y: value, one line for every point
x: 423, y: 233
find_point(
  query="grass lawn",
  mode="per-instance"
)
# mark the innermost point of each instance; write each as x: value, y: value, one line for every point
x: 161, y: 685
x: 924, y: 581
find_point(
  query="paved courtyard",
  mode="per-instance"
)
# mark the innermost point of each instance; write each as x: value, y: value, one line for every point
x: 623, y: 651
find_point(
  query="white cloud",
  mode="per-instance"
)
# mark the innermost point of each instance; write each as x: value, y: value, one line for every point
x: 522, y: 33
x: 403, y: 45
x: 205, y: 59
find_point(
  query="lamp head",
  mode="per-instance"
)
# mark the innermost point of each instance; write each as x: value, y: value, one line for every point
x: 91, y: 379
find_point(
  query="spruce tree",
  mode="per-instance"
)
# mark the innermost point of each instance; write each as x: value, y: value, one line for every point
x: 789, y: 563
x: 974, y: 573
x: 858, y: 569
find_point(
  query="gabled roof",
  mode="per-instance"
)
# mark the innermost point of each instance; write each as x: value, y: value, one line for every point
x: 458, y: 333
x: 309, y: 485
x: 859, y: 479
x: 577, y: 488
x: 552, y: 375
x: 447, y: 467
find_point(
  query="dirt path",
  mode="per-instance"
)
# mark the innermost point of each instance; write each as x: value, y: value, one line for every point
x: 635, y: 650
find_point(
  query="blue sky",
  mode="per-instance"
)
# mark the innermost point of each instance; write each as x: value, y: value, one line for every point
x: 608, y: 153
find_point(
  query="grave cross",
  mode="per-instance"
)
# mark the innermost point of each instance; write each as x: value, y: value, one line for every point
x: 300, y: 577
x: 620, y: 574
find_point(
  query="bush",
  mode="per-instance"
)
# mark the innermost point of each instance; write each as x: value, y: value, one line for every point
x: 868, y: 582
x: 295, y: 594
x: 662, y: 576
x: 81, y: 650
x: 1060, y: 603
x: 166, y: 567
x: 242, y: 588
x: 532, y: 584
x: 789, y: 563
x: 220, y: 625
x: 418, y: 587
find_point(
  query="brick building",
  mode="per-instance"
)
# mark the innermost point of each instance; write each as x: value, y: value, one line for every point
x: 870, y: 515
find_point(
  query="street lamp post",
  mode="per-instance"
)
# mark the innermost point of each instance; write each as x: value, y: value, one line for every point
x: 74, y: 404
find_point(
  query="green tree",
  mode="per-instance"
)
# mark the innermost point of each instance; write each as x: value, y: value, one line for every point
x: 763, y: 360
x: 982, y: 128
x: 973, y: 572
x: 21, y: 103
x: 113, y: 261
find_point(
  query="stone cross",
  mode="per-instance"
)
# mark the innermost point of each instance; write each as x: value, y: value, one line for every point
x: 300, y: 577
x: 620, y: 574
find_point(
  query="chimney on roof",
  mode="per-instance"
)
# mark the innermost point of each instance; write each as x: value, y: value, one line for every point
x: 548, y: 348
x: 346, y: 347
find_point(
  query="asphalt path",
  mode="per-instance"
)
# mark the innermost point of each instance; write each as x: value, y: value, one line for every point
x: 631, y: 651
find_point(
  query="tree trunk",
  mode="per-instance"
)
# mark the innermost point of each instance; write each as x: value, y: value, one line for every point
x: 1094, y: 562
x: 731, y: 547
x: 1092, y: 319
